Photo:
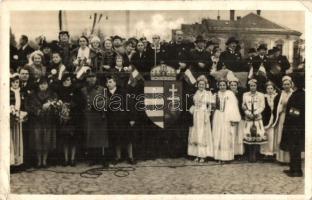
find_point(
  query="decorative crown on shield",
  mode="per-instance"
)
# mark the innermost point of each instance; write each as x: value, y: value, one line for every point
x: 163, y: 72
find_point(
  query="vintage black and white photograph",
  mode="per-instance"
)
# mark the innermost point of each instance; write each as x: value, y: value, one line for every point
x: 157, y: 102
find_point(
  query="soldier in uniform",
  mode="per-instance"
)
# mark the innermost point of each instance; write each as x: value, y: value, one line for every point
x: 231, y: 57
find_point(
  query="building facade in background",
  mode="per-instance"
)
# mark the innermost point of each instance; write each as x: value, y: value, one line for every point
x: 251, y: 30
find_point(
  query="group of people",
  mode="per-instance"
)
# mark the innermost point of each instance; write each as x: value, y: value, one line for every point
x: 67, y: 100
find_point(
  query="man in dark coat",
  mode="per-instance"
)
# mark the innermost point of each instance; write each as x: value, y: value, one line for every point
x: 281, y: 60
x: 121, y: 119
x: 24, y: 51
x: 178, y: 52
x: 156, y: 53
x: 262, y: 55
x: 65, y: 48
x: 294, y: 127
x: 27, y: 88
x: 231, y: 57
x: 95, y: 120
x: 139, y: 60
x: 199, y: 58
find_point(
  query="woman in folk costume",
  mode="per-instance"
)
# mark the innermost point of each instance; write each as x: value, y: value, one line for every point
x: 282, y: 156
x: 233, y: 83
x: 42, y: 108
x: 253, y: 106
x: 80, y: 57
x: 226, y: 115
x: 16, y: 118
x: 200, y: 143
x: 268, y: 117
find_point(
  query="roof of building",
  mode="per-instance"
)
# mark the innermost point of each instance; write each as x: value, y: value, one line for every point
x: 251, y: 23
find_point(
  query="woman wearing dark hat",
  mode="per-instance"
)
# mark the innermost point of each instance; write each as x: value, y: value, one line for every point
x: 46, y: 50
x: 293, y: 136
x: 65, y: 48
x: 16, y: 118
x: 68, y: 119
x: 42, y: 107
x: 95, y: 120
x: 232, y: 58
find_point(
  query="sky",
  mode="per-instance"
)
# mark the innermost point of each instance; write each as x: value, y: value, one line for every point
x: 141, y: 23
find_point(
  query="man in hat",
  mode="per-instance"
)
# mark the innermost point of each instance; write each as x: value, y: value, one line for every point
x: 199, y: 58
x: 64, y: 47
x: 281, y: 60
x: 210, y: 45
x: 231, y: 57
x: 248, y: 61
x: 262, y: 54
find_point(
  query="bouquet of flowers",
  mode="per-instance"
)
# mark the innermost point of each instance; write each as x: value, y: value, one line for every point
x: 17, y: 115
x: 65, y: 112
x: 53, y: 106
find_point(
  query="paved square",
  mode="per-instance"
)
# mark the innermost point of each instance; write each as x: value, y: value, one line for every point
x: 162, y: 176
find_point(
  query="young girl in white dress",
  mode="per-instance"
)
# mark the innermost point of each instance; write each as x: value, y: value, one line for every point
x: 200, y: 142
x: 226, y: 115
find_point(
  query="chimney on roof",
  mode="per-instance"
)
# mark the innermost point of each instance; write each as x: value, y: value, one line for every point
x: 238, y: 17
x: 232, y: 15
x: 259, y: 12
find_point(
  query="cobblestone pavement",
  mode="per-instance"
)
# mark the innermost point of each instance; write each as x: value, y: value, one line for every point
x: 162, y: 176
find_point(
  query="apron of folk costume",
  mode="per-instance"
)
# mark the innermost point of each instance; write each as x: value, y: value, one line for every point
x: 223, y: 134
x: 254, y: 103
x: 281, y: 156
x: 200, y: 142
x: 16, y: 140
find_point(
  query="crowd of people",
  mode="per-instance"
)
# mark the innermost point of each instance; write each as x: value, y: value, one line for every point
x: 57, y: 110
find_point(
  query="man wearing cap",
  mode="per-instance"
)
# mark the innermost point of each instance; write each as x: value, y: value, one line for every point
x: 231, y: 57
x: 281, y: 60
x: 65, y: 47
